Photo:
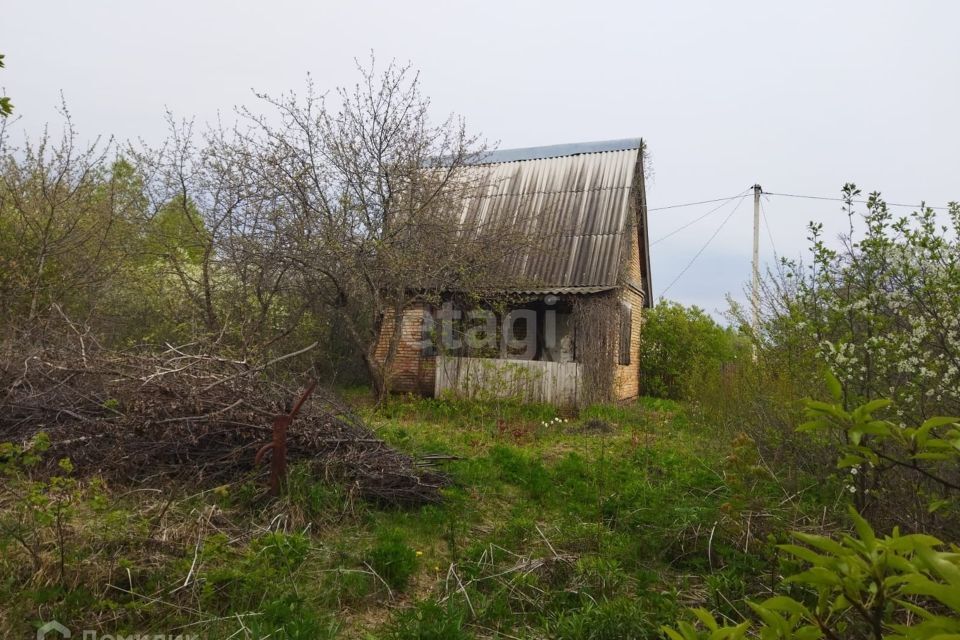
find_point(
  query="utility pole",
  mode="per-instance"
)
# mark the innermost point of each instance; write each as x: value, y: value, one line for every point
x: 757, y: 190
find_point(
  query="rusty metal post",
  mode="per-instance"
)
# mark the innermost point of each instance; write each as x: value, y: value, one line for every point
x: 278, y: 462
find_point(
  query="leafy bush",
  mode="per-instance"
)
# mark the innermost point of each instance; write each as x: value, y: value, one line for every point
x: 765, y: 399
x: 901, y: 587
x: 37, y: 516
x: 883, y: 311
x: 681, y: 345
x: 884, y: 459
x: 52, y: 525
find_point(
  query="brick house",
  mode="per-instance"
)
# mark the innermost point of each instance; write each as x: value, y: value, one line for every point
x: 571, y: 334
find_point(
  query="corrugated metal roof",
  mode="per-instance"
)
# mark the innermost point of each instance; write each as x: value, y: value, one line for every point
x: 576, y: 198
x: 558, y: 291
x: 558, y: 150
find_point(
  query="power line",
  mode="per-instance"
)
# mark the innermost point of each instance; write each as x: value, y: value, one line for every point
x: 889, y: 204
x: 766, y: 224
x: 691, y: 204
x: 703, y: 248
x: 725, y: 202
x: 790, y: 195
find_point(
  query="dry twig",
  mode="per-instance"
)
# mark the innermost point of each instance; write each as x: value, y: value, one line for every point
x: 137, y: 417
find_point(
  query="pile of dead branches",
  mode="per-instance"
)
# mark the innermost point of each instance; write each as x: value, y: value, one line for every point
x: 198, y: 418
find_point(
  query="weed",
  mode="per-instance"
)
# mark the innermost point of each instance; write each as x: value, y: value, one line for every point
x: 522, y: 470
x: 618, y: 619
x: 430, y: 621
x: 289, y: 618
x: 576, y: 531
x: 393, y: 560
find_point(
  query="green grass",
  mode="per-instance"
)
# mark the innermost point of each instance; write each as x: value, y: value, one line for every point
x: 601, y: 526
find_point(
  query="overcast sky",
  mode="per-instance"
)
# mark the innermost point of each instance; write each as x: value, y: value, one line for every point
x: 726, y: 94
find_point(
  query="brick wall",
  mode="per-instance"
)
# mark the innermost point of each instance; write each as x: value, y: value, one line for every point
x: 626, y: 378
x: 410, y: 372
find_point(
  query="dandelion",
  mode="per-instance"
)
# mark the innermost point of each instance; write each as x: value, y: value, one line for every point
x: 419, y: 553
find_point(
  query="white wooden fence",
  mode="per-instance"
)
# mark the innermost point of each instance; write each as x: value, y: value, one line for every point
x: 524, y: 380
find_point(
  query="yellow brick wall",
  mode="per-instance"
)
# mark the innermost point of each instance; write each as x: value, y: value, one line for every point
x: 410, y: 371
x: 626, y: 378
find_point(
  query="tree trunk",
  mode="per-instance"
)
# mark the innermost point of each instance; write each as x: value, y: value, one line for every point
x: 380, y: 371
x: 376, y: 371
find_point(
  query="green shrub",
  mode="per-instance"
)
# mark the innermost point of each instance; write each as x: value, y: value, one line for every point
x: 882, y: 462
x: 38, y: 514
x: 881, y: 310
x: 898, y: 587
x: 680, y: 346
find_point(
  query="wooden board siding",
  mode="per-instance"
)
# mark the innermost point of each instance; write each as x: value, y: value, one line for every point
x: 411, y: 371
x: 524, y: 380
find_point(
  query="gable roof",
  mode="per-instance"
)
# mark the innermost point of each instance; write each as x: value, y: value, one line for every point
x: 579, y: 198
